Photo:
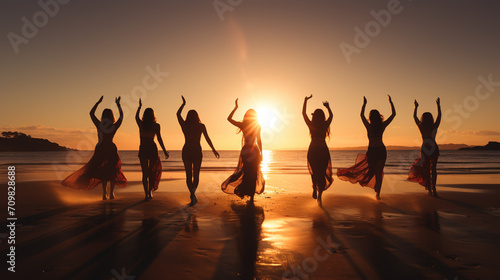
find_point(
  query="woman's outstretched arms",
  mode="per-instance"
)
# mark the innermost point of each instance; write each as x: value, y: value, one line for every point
x: 118, y: 123
x: 363, y: 118
x: 438, y: 119
x: 160, y: 140
x: 205, y: 133
x: 304, y: 110
x: 92, y: 112
x: 137, y: 118
x: 179, y: 117
x: 330, y: 114
x: 393, y: 114
x: 415, y: 117
x: 230, y: 117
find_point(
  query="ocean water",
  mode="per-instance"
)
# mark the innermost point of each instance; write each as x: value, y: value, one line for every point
x: 57, y: 165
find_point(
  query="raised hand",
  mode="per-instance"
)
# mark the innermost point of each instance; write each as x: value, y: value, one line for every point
x: 117, y: 101
x: 416, y: 103
x: 100, y: 99
x: 438, y: 102
x: 390, y: 100
x: 140, y: 103
x: 183, y: 100
x: 326, y: 104
x: 364, y: 101
x: 236, y: 104
x: 309, y: 97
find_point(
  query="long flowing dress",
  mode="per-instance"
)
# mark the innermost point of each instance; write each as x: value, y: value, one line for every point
x: 148, y: 150
x: 420, y: 171
x: 104, y: 166
x: 364, y: 170
x: 318, y: 160
x: 247, y: 179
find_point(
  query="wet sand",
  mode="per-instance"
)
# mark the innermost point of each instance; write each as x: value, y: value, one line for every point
x: 68, y: 234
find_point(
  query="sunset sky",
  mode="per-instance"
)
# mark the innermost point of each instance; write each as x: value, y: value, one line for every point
x: 269, y: 54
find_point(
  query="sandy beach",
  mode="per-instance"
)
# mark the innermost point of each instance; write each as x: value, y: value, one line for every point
x: 63, y: 233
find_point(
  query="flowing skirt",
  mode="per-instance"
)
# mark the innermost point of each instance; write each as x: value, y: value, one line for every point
x: 421, y: 169
x: 247, y: 179
x: 150, y: 152
x: 320, y: 166
x: 104, y: 166
x: 363, y: 171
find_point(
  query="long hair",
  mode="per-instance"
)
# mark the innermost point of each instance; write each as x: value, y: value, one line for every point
x: 251, y: 123
x: 376, y: 119
x: 148, y: 119
x: 319, y: 121
x: 192, y: 118
x: 427, y: 120
x: 108, y: 115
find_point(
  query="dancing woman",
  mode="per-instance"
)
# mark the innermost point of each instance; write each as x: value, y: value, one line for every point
x: 423, y: 170
x: 318, y: 155
x: 247, y: 179
x: 148, y: 152
x: 191, y: 152
x: 369, y: 169
x: 105, y: 164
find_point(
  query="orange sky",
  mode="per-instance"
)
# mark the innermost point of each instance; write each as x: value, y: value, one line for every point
x: 267, y: 54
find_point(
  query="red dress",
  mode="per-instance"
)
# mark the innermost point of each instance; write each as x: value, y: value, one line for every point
x: 104, y: 166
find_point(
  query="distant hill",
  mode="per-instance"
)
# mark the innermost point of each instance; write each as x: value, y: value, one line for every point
x: 491, y: 146
x: 13, y: 141
x: 411, y: 148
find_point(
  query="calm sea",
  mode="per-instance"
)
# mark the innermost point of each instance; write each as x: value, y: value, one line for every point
x: 54, y: 165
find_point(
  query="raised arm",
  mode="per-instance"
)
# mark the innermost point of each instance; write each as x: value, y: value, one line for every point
x: 92, y: 112
x: 363, y: 118
x: 304, y: 110
x: 118, y: 123
x: 230, y: 117
x: 438, y: 119
x: 330, y: 114
x: 160, y: 140
x: 137, y: 118
x: 415, y: 117
x: 205, y: 133
x: 179, y: 117
x: 393, y: 113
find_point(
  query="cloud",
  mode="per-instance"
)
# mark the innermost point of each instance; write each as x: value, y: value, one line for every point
x: 473, y: 132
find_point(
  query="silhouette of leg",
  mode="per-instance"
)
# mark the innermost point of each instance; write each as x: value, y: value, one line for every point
x: 379, y: 169
x: 145, y: 175
x: 104, y: 194
x: 434, y: 177
x: 151, y: 180
x: 196, y: 178
x: 111, y: 190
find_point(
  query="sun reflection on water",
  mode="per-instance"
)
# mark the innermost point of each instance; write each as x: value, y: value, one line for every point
x: 267, y: 159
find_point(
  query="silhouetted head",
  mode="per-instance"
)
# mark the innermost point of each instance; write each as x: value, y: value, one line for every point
x: 192, y: 117
x: 251, y: 121
x: 376, y: 118
x: 319, y: 121
x: 148, y: 118
x: 108, y: 116
x: 427, y: 119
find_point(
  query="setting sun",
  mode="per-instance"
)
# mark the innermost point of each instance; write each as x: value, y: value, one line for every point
x: 266, y: 116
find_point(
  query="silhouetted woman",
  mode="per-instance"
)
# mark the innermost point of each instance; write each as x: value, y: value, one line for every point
x: 247, y: 178
x: 369, y: 169
x: 423, y: 170
x: 148, y: 152
x: 191, y: 152
x: 318, y: 155
x: 105, y: 164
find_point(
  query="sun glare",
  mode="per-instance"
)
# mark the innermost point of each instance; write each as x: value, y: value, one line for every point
x: 266, y: 116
